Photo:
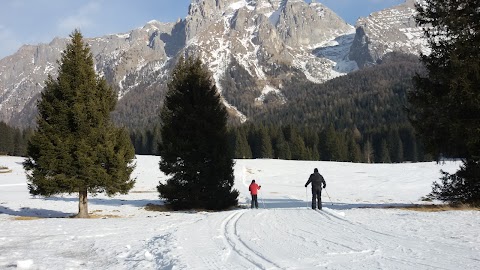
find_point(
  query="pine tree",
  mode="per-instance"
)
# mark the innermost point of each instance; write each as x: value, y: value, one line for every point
x: 194, y: 145
x: 254, y: 140
x: 266, y: 150
x: 410, y: 146
x: 445, y: 106
x: 460, y: 187
x: 331, y: 147
x: 384, y: 154
x: 75, y: 147
x: 395, y: 146
x: 354, y: 152
x: 7, y: 140
x: 242, y: 149
x: 282, y: 149
x: 297, y: 145
x: 368, y: 153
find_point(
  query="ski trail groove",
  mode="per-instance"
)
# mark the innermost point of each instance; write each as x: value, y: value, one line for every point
x: 378, y: 240
x: 238, y: 246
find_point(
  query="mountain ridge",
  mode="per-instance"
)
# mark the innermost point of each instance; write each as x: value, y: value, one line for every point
x: 272, y: 41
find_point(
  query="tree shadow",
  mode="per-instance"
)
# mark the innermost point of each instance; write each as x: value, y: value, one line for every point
x: 294, y: 203
x: 46, y: 213
x: 106, y: 201
x: 34, y: 212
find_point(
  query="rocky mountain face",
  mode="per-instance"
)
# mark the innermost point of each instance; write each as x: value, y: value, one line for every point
x: 123, y: 59
x: 389, y: 30
x: 252, y: 47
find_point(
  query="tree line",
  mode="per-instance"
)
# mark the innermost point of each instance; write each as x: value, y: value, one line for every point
x: 13, y: 141
x: 392, y: 144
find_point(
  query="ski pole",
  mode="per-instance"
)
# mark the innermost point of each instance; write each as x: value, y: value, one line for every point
x: 306, y: 197
x: 328, y: 196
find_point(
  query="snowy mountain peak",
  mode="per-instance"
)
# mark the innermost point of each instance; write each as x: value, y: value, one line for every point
x: 252, y: 47
x: 392, y: 29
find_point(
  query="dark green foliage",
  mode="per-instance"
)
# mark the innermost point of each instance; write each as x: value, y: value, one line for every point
x: 146, y: 141
x: 266, y: 150
x: 354, y: 153
x: 455, y: 189
x: 395, y: 146
x: 75, y: 147
x: 13, y: 141
x: 242, y: 149
x: 281, y: 147
x: 383, y: 153
x: 330, y: 144
x: 307, y: 143
x: 194, y: 142
x: 445, y: 105
x: 6, y: 139
x: 368, y: 153
x: 296, y: 144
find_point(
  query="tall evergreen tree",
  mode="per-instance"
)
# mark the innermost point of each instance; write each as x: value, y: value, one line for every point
x: 75, y: 147
x: 266, y: 150
x: 354, y: 152
x: 331, y: 149
x: 410, y: 145
x: 395, y: 146
x: 368, y: 152
x: 445, y: 106
x: 282, y: 149
x: 254, y: 140
x: 384, y: 153
x: 297, y: 145
x: 7, y: 140
x: 194, y: 146
x: 242, y: 149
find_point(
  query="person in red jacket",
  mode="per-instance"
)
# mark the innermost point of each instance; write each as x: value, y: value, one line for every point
x: 253, y: 188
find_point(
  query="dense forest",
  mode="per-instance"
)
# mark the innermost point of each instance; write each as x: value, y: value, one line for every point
x: 389, y: 144
x: 359, y: 117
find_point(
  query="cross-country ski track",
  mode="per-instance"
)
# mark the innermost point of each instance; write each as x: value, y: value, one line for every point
x: 357, y: 228
x: 300, y: 238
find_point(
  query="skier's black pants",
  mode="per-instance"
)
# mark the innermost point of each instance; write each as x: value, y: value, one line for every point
x: 254, y: 201
x: 316, y: 197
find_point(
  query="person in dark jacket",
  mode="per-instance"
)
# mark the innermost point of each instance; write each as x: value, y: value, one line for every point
x: 253, y: 188
x: 317, y: 181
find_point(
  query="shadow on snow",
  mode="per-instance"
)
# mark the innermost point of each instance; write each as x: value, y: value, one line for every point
x: 34, y: 212
x: 107, y: 201
x: 283, y: 203
x: 294, y: 203
x: 46, y: 213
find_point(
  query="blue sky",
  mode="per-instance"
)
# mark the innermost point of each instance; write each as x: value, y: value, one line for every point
x: 39, y: 21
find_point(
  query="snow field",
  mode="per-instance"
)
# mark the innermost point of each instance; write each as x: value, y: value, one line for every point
x: 284, y: 233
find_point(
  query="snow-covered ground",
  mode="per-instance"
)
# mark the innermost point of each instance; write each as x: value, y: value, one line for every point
x: 283, y: 234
